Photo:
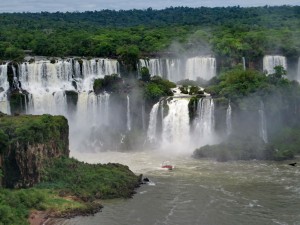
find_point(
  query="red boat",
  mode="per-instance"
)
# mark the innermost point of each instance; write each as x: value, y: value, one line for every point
x: 167, y: 165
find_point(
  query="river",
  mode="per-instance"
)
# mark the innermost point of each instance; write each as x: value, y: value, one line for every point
x: 200, y: 192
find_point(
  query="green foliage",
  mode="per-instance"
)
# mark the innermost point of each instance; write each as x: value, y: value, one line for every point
x: 184, y: 89
x: 15, y: 205
x: 157, y: 88
x: 32, y: 129
x: 242, y: 148
x: 145, y: 75
x: 237, y: 83
x: 17, y: 102
x: 231, y: 31
x: 194, y: 90
x: 108, y: 84
x: 193, y: 104
x: 287, y: 142
x: 89, y: 182
x: 129, y: 57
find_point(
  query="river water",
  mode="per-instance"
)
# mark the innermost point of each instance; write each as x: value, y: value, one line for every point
x: 200, y: 192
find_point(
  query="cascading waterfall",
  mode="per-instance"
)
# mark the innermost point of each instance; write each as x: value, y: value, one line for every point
x: 270, y: 61
x: 298, y: 74
x: 244, y: 63
x: 152, y: 128
x: 205, y: 123
x: 173, y: 69
x: 177, y: 134
x: 154, y: 65
x: 228, y: 120
x: 178, y: 69
x: 128, y: 114
x: 143, y: 117
x: 4, y: 86
x: 175, y: 127
x: 86, y: 125
x: 263, y: 124
x: 48, y: 82
x: 203, y: 67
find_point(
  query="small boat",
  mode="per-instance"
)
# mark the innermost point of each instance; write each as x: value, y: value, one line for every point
x: 167, y: 165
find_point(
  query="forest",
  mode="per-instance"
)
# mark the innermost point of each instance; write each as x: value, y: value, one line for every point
x: 224, y: 32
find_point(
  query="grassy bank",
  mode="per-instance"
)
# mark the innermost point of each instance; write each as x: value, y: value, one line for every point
x: 68, y: 188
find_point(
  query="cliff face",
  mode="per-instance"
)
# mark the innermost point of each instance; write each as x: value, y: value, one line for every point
x: 27, y: 142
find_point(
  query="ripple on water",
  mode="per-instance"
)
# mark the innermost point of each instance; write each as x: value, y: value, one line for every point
x: 202, y: 192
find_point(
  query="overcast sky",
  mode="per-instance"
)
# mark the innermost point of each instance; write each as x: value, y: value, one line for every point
x: 91, y: 5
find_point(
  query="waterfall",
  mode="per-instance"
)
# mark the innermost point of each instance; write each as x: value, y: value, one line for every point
x: 151, y: 133
x: 228, y: 120
x: 48, y: 83
x: 263, y: 123
x: 154, y: 65
x: 175, y: 69
x: 89, y: 122
x: 176, y: 129
x: 244, y: 63
x: 298, y: 74
x: 203, y: 67
x: 4, y: 86
x: 128, y: 114
x: 205, y: 122
x: 270, y: 61
x: 143, y: 117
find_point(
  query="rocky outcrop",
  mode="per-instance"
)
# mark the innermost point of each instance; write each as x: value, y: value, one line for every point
x: 27, y: 143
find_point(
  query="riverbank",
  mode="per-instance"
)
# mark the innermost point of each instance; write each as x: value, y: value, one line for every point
x: 68, y: 188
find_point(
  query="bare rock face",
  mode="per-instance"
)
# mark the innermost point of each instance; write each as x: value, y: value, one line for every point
x: 27, y: 143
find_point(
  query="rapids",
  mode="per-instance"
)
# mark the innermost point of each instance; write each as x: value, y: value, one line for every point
x: 200, y: 192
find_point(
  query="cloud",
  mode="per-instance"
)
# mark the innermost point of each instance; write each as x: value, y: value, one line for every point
x: 91, y: 5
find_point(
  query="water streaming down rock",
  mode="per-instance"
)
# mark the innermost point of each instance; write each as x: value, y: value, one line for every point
x: 228, y: 120
x: 244, y: 63
x: 152, y: 128
x: 205, y: 122
x: 175, y: 69
x: 263, y: 124
x: 270, y: 61
x: 89, y: 122
x: 48, y: 82
x: 202, y: 67
x: 298, y: 73
x: 175, y: 127
x: 128, y: 114
x: 4, y: 86
x: 154, y: 65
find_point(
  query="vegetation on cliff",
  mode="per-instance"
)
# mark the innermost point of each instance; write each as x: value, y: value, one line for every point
x: 34, y: 153
x: 250, y: 92
x: 68, y: 188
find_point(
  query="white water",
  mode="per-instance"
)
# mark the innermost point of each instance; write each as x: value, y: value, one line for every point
x: 47, y: 82
x: 263, y: 124
x: 244, y: 63
x: 176, y: 129
x: 128, y: 114
x: 154, y: 65
x: 151, y: 133
x: 205, y: 122
x: 203, y: 67
x: 179, y: 69
x: 270, y: 61
x: 228, y: 120
x: 298, y: 73
x: 4, y: 104
x: 201, y: 192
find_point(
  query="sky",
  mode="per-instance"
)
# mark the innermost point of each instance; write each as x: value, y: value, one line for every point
x: 91, y: 5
